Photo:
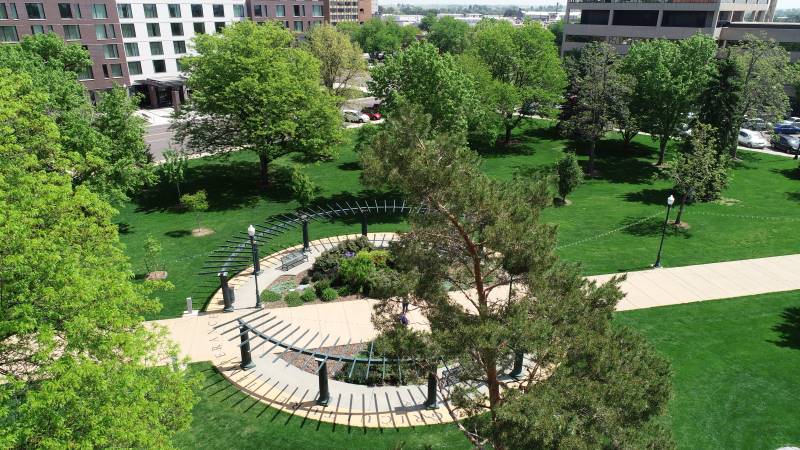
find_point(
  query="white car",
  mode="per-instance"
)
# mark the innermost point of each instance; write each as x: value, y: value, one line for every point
x: 354, y: 116
x: 752, y: 139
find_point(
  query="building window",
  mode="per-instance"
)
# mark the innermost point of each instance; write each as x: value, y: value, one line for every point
x: 10, y: 13
x: 72, y: 32
x: 179, y: 47
x: 37, y: 29
x: 258, y: 11
x: 298, y: 25
x: 99, y: 11
x: 199, y: 28
x: 105, y: 70
x: 219, y: 10
x: 179, y: 65
x: 110, y: 51
x: 176, y: 28
x: 156, y: 49
x: 219, y: 26
x: 125, y: 11
x: 153, y: 30
x: 86, y: 74
x: 174, y: 10
x: 135, y: 68
x: 238, y: 11
x: 197, y: 10
x: 150, y: 11
x: 159, y: 66
x: 296, y: 10
x: 316, y: 10
x: 131, y: 49
x: 35, y: 10
x: 128, y: 30
x: 64, y: 10
x: 116, y: 70
x: 280, y: 11
x: 104, y: 32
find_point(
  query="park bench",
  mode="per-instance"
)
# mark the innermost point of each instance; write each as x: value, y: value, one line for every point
x: 292, y: 259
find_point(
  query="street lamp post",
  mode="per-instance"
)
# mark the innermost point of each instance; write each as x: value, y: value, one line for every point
x: 670, y: 202
x: 251, y: 231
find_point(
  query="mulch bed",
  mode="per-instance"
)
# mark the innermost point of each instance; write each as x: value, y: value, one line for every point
x: 305, y: 363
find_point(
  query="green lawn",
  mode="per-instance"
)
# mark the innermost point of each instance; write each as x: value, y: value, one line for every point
x: 225, y: 418
x: 736, y: 382
x: 735, y: 385
x: 760, y: 220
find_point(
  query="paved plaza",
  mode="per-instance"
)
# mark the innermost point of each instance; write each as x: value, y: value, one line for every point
x: 282, y: 385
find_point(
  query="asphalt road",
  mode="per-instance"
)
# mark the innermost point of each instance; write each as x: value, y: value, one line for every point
x: 159, y: 137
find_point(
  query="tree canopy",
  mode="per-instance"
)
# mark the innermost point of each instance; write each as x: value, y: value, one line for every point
x: 340, y: 59
x: 77, y: 366
x: 669, y: 77
x: 586, y: 383
x: 384, y: 36
x: 252, y: 89
x: 449, y: 34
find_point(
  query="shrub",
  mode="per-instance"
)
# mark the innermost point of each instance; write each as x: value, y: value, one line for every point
x: 379, y: 258
x: 569, y: 175
x: 329, y: 294
x: 308, y: 295
x: 293, y: 299
x: 355, y: 271
x: 269, y: 296
x: 355, y: 245
x: 326, y: 265
x: 384, y: 283
x: 321, y: 285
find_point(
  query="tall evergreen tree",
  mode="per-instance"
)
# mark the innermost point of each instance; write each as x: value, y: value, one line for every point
x: 586, y: 383
x: 720, y: 104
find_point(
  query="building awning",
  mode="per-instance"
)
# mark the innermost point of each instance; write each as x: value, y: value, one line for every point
x: 173, y: 82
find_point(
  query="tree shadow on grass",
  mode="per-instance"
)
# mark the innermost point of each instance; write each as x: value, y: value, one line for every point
x: 636, y: 226
x: 793, y: 196
x: 524, y: 141
x: 178, y: 233
x: 789, y: 330
x: 350, y: 165
x: 649, y: 196
x: 792, y: 174
x: 228, y: 184
x: 616, y: 164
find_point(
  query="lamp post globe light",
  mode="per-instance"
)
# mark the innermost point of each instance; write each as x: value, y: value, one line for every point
x: 251, y: 232
x: 670, y: 202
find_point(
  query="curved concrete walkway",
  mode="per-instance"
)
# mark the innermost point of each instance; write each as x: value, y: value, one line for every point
x: 284, y: 386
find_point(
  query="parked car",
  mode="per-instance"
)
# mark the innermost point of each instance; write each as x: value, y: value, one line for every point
x: 786, y: 142
x: 752, y: 139
x: 787, y: 129
x: 757, y: 124
x: 354, y: 116
x: 373, y: 115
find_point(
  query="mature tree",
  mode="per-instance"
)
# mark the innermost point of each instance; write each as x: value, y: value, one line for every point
x: 720, y: 104
x: 253, y: 90
x: 557, y: 28
x: 382, y: 36
x: 625, y: 119
x: 350, y: 29
x: 700, y: 171
x: 600, y: 91
x: 526, y: 60
x: 449, y: 34
x: 422, y: 76
x: 669, y: 77
x: 765, y: 72
x: 173, y: 169
x: 428, y: 22
x: 586, y: 383
x: 340, y: 59
x: 568, y: 175
x: 104, y: 143
x: 304, y: 189
x: 78, y: 368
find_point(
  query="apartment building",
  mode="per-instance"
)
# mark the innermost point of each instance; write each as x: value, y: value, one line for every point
x: 91, y: 23
x: 139, y: 43
x: 621, y: 23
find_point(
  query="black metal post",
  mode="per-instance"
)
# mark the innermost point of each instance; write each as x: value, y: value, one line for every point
x: 256, y: 263
x: 516, y: 371
x: 430, y: 402
x: 324, y: 394
x: 663, y: 232
x: 227, y: 293
x: 363, y: 224
x: 247, y: 358
x: 306, y: 245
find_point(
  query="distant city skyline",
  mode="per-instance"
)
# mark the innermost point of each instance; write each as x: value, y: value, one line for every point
x: 782, y: 4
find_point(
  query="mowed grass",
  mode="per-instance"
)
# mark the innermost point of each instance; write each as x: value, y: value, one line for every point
x: 736, y: 383
x: 613, y: 224
x: 225, y: 418
x: 735, y: 386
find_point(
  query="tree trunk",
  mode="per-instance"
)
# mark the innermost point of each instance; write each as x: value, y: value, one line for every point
x: 662, y: 148
x: 680, y: 210
x: 178, y: 187
x: 509, y: 127
x: 735, y: 149
x: 590, y: 169
x: 264, y: 170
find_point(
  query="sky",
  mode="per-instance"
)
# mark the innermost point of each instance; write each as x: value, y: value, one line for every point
x: 782, y: 4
